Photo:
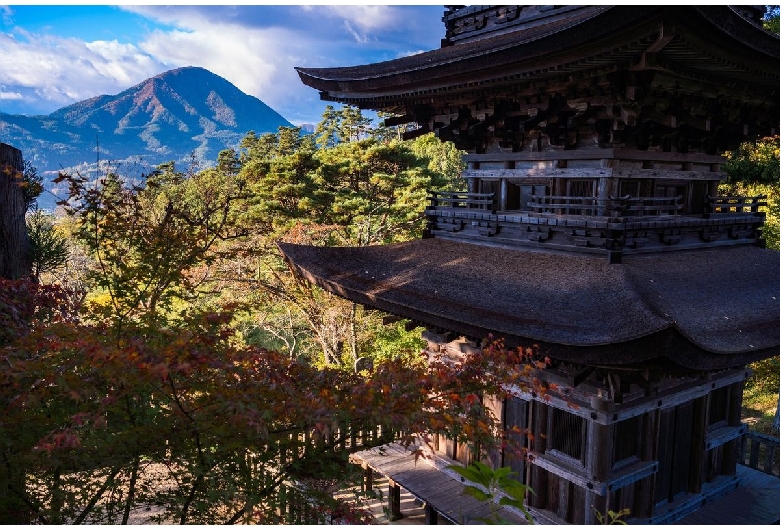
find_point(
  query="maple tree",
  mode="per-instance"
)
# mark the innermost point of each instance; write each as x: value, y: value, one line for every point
x: 144, y: 394
x: 184, y: 417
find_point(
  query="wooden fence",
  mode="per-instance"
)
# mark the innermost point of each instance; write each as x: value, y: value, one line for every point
x: 761, y: 452
x: 295, y: 505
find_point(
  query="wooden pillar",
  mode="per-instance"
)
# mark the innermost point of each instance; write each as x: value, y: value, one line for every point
x: 431, y: 515
x: 645, y: 488
x: 731, y: 451
x: 538, y: 476
x: 473, y: 182
x: 394, y: 500
x: 598, y: 464
x: 368, y: 478
x: 698, y: 445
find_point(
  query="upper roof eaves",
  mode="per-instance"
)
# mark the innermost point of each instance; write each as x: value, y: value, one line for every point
x: 566, y: 32
x: 450, y: 54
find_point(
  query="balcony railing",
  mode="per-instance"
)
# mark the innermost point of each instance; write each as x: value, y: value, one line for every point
x: 626, y: 206
x: 597, y: 225
x: 457, y: 199
x: 761, y: 452
x: 611, y: 207
x: 722, y: 205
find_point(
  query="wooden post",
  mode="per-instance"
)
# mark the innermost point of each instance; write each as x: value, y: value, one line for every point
x: 431, y: 515
x: 538, y: 476
x: 598, y: 463
x: 698, y: 445
x: 394, y: 500
x: 368, y: 478
x: 15, y: 257
x: 731, y: 451
x: 643, y: 492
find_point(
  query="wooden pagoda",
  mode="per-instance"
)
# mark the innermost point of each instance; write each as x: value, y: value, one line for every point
x: 591, y: 227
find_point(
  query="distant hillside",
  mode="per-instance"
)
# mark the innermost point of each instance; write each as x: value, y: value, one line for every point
x: 168, y: 117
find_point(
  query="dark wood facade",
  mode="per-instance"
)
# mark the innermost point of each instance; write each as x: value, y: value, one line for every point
x: 595, y: 138
x: 654, y: 447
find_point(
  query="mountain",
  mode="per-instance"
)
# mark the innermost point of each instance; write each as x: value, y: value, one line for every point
x: 172, y: 116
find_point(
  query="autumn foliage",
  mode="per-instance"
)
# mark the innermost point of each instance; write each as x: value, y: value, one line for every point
x: 174, y: 416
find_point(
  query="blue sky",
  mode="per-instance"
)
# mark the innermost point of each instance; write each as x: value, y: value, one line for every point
x: 55, y: 55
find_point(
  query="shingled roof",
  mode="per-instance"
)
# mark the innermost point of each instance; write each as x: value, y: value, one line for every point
x: 701, y: 309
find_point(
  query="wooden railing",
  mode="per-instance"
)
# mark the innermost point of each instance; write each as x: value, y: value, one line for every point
x: 761, y: 452
x: 456, y: 199
x: 734, y: 204
x: 626, y: 206
x: 638, y: 206
x: 295, y: 504
x: 563, y: 204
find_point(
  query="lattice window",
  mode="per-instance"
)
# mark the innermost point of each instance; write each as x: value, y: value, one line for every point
x: 567, y: 434
x: 581, y: 188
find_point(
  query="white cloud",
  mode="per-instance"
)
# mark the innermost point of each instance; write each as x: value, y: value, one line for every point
x: 358, y: 37
x: 68, y: 70
x: 365, y: 17
x: 9, y: 96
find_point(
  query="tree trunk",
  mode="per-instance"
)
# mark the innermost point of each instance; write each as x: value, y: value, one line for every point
x: 776, y: 422
x: 15, y: 258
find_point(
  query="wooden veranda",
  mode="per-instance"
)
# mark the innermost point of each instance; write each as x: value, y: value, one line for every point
x: 428, y: 479
x: 756, y: 500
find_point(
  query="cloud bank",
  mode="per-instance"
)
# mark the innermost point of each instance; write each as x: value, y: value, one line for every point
x: 253, y: 47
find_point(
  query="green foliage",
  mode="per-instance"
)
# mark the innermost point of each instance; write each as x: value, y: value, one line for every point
x: 49, y: 247
x: 613, y: 517
x: 498, y: 485
x: 443, y: 159
x: 754, y: 169
x: 394, y: 341
x: 32, y: 185
x: 341, y: 126
x: 375, y: 191
x: 755, y: 162
x: 332, y: 191
x: 145, y: 240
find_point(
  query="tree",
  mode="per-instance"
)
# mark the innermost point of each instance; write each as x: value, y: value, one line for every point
x: 144, y: 240
x: 361, y: 192
x: 181, y: 416
x: 32, y: 185
x: 49, y: 247
x: 443, y: 159
x: 146, y: 394
x: 342, y: 126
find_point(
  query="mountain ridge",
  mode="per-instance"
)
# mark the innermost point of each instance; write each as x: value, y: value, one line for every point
x: 176, y: 115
